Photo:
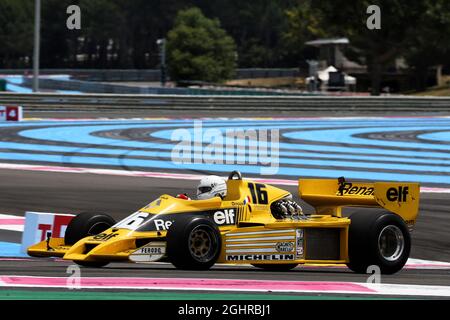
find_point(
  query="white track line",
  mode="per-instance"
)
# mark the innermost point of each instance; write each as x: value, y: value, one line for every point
x: 230, y: 285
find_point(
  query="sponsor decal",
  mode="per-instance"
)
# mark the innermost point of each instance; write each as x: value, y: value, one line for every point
x: 260, y: 257
x: 299, y: 243
x: 151, y: 252
x: 145, y: 221
x: 104, y: 236
x: 10, y: 113
x: 348, y: 188
x: 284, y: 246
x: 224, y: 217
x: 399, y: 195
x: 59, y: 224
x: 162, y: 225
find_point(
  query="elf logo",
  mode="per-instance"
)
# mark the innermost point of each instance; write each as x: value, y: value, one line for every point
x: 224, y: 217
x: 105, y: 236
x: 399, y: 195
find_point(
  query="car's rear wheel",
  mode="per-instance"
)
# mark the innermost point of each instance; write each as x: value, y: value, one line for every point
x: 87, y: 224
x: 276, y: 267
x: 381, y: 239
x: 193, y: 243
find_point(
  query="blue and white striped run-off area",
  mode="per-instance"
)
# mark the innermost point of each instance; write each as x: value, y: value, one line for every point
x: 397, y: 149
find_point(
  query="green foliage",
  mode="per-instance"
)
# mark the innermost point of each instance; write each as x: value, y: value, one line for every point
x: 267, y: 33
x: 401, y: 26
x: 16, y: 33
x: 304, y: 24
x: 199, y: 49
x: 428, y: 48
x: 257, y: 27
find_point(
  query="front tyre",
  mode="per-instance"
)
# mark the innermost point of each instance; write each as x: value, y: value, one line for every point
x: 91, y: 264
x: 380, y: 239
x: 87, y: 224
x: 193, y: 244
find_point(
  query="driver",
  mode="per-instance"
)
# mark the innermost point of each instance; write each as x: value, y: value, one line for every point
x: 211, y: 186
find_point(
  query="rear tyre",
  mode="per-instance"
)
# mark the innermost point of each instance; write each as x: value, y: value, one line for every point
x: 193, y: 243
x: 87, y: 224
x: 380, y: 239
x: 276, y: 267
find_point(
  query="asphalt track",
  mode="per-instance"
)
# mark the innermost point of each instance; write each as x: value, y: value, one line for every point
x: 119, y: 196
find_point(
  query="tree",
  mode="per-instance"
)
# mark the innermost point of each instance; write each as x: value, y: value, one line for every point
x: 16, y: 33
x: 257, y: 27
x: 199, y: 49
x: 378, y: 48
x: 427, y: 48
x: 304, y: 24
x: 56, y: 40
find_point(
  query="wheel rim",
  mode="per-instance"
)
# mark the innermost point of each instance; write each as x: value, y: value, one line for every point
x: 201, y: 244
x: 391, y: 243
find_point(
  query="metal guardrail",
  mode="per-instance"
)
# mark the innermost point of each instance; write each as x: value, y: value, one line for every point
x: 98, y: 102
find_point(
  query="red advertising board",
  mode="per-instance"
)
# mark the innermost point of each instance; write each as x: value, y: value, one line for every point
x: 10, y: 113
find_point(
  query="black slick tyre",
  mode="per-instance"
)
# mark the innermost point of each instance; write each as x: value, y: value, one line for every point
x: 87, y: 224
x: 193, y: 243
x: 378, y: 238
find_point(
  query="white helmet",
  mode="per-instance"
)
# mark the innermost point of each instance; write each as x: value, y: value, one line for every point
x: 211, y: 186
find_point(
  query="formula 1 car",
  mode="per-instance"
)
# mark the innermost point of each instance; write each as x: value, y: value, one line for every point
x: 251, y: 225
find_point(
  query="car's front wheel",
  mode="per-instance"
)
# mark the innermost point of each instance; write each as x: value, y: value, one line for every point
x: 87, y: 224
x: 91, y: 264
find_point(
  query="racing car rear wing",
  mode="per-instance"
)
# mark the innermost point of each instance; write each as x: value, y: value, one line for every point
x: 328, y: 196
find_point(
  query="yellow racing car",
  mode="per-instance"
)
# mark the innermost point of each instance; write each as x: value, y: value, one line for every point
x: 256, y: 224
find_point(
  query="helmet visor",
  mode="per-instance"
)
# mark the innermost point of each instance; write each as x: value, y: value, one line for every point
x: 204, y: 189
